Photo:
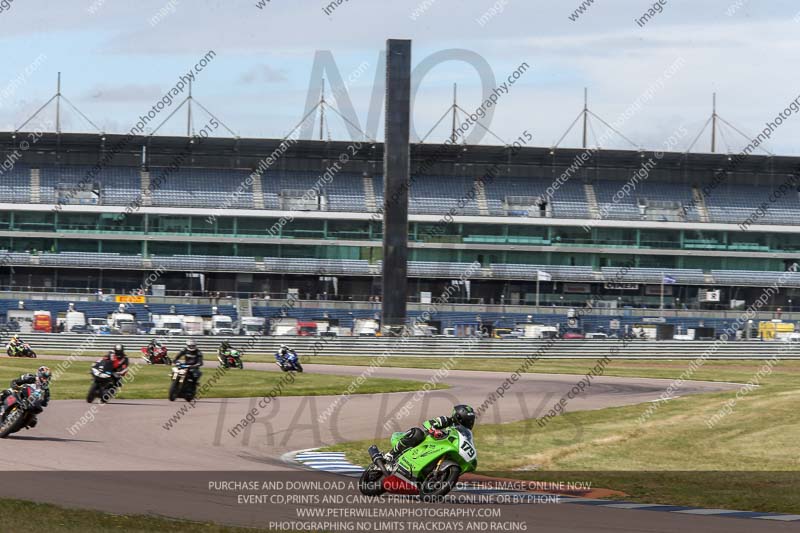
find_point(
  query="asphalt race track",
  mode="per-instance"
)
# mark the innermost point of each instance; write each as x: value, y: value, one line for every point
x: 123, y: 460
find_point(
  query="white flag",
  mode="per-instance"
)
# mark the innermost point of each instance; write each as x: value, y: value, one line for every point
x: 543, y: 276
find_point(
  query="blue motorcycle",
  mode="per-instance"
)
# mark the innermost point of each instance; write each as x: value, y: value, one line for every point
x: 289, y: 363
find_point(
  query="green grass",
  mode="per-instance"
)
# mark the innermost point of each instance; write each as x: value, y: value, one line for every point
x: 747, y: 461
x: 152, y: 382
x: 46, y: 517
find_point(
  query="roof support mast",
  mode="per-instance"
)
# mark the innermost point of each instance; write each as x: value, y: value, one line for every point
x: 585, y: 113
x: 713, y: 123
x: 58, y: 103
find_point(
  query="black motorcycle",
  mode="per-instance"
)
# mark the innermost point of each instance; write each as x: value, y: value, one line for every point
x: 104, y: 382
x: 183, y: 383
x: 20, y: 408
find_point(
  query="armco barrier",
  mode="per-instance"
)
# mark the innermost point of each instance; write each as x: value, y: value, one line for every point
x: 431, y: 346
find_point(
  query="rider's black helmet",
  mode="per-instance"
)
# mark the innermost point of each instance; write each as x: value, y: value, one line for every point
x: 464, y: 415
x: 119, y: 350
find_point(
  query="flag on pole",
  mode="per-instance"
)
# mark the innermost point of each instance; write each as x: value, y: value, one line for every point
x: 543, y: 276
x: 668, y: 280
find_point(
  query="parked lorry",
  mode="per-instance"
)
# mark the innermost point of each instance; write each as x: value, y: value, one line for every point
x: 122, y: 322
x: 193, y: 325
x: 252, y: 325
x: 307, y: 329
x: 74, y: 319
x: 21, y: 317
x: 168, y: 324
x: 366, y: 327
x: 775, y: 329
x: 221, y: 325
x: 283, y: 326
x: 536, y: 331
x: 42, y: 322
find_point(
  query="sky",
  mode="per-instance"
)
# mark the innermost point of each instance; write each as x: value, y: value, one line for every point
x: 651, y: 78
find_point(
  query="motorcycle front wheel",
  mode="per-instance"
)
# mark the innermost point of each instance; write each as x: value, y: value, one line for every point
x: 173, y: 390
x: 11, y: 423
x: 298, y: 366
x: 371, y: 482
x: 439, y: 482
x: 93, y: 392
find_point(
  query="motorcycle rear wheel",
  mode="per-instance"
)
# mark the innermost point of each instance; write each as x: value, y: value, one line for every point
x: 371, y: 482
x: 439, y: 482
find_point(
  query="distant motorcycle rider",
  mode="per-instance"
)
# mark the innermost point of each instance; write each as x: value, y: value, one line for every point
x: 194, y: 359
x: 224, y: 348
x: 16, y: 343
x: 151, y: 348
x: 463, y: 415
x: 41, y: 380
x: 118, y: 362
x: 283, y: 353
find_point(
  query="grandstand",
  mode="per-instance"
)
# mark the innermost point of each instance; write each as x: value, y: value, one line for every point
x: 65, y: 226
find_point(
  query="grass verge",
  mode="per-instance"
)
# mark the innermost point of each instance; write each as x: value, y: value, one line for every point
x: 746, y: 461
x: 152, y: 382
x: 54, y: 518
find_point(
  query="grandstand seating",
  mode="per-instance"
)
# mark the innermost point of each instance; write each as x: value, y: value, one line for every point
x: 201, y: 188
x: 344, y: 192
x: 118, y: 185
x: 15, y: 185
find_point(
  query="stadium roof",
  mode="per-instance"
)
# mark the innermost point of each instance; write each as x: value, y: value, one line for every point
x: 88, y: 149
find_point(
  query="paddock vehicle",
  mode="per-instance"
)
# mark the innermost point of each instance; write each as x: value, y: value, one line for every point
x: 20, y: 408
x: 290, y: 363
x: 231, y: 359
x: 431, y: 469
x: 156, y: 356
x: 22, y: 350
x: 183, y: 384
x: 104, y: 381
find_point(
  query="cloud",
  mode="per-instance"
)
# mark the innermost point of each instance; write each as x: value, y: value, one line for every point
x: 264, y: 74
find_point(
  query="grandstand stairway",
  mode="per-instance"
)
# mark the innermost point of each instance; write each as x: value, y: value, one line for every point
x: 480, y: 198
x: 591, y: 200
x: 258, y: 194
x: 700, y: 204
x: 369, y: 194
x: 147, y: 199
x: 244, y: 306
x: 36, y: 194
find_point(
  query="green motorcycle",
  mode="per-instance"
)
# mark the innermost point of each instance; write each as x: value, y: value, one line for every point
x: 431, y: 469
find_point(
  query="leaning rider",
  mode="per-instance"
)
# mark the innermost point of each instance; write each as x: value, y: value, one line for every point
x: 463, y: 415
x: 151, y: 348
x: 283, y: 353
x: 41, y: 380
x: 224, y: 347
x: 15, y: 342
